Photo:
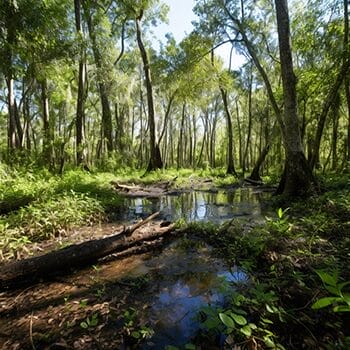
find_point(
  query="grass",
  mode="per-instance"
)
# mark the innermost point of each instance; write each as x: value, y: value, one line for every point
x: 49, y: 206
x: 36, y: 205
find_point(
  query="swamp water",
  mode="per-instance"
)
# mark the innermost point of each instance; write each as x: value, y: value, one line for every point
x: 186, y: 278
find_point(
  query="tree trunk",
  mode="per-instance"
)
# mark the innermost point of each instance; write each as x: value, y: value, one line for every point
x: 180, y: 146
x: 230, y: 160
x: 47, y: 134
x: 239, y: 135
x: 102, y: 85
x: 155, y: 161
x: 255, y: 174
x: 333, y: 91
x: 335, y: 124
x: 80, y: 113
x: 250, y: 118
x: 342, y: 76
x: 297, y: 178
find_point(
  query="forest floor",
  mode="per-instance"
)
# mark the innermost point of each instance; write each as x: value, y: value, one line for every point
x: 297, y: 296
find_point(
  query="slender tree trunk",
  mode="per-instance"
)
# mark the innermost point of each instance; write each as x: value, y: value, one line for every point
x: 107, y: 131
x: 239, y: 135
x: 155, y: 161
x: 80, y: 113
x: 11, y: 128
x: 297, y: 178
x: 342, y: 76
x: 335, y: 125
x: 194, y: 128
x: 250, y: 117
x: 180, y: 147
x: 230, y: 160
x: 11, y: 38
x: 47, y: 134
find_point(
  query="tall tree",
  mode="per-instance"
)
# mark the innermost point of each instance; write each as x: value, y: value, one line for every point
x: 297, y: 178
x: 80, y: 112
x: 89, y: 12
x: 155, y: 161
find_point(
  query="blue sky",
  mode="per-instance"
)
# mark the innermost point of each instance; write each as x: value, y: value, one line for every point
x: 180, y: 17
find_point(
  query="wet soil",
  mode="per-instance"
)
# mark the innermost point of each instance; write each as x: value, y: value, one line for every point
x: 159, y: 293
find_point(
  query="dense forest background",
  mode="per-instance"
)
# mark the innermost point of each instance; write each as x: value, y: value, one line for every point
x: 82, y: 85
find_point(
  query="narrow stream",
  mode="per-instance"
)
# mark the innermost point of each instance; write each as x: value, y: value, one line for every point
x: 186, y: 278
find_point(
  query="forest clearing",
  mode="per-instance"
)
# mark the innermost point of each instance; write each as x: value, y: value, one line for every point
x: 155, y: 194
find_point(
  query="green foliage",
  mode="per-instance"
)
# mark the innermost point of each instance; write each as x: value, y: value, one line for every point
x: 279, y: 255
x: 90, y: 322
x: 236, y: 320
x: 131, y: 327
x: 53, y: 205
x: 340, y: 299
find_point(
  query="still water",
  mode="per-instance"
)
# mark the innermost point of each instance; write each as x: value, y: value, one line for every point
x: 187, y: 278
x: 202, y: 206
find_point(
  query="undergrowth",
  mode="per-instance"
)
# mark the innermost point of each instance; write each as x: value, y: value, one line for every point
x: 37, y: 205
x: 298, y: 295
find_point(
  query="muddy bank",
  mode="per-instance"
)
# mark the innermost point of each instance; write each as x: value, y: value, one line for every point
x: 114, y: 304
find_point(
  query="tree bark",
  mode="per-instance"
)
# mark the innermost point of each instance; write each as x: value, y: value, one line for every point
x: 250, y: 118
x: 230, y: 161
x: 155, y: 161
x: 12, y: 139
x: 335, y: 124
x: 47, y: 132
x: 102, y: 85
x: 297, y: 178
x: 80, y: 113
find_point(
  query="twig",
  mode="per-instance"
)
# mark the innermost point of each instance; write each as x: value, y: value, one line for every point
x: 31, y: 331
x: 129, y: 230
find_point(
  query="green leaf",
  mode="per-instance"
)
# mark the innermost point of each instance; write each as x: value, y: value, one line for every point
x: 342, y: 308
x: 136, y: 334
x: 323, y: 302
x: 271, y: 309
x: 84, y: 325
x: 246, y: 330
x: 226, y: 320
x: 266, y: 320
x: 269, y: 342
x: 239, y: 319
x: 333, y: 290
x: 280, y: 213
x: 190, y: 346
x: 211, y: 323
x: 327, y: 278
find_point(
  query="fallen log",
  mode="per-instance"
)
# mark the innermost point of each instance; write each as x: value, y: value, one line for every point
x: 148, y: 191
x: 78, y: 255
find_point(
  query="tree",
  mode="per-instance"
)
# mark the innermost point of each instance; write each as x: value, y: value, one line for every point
x: 155, y: 161
x: 80, y: 112
x: 297, y: 178
x: 92, y: 23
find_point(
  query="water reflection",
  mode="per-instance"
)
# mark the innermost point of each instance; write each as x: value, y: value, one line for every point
x: 191, y: 279
x: 199, y: 206
x: 187, y: 279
